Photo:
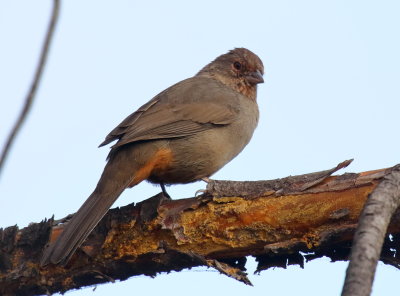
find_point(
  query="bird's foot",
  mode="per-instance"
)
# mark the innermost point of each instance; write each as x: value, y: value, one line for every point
x: 200, y: 191
x: 203, y: 191
x: 206, y: 179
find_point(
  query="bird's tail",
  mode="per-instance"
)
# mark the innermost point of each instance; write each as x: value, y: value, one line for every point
x: 111, y: 184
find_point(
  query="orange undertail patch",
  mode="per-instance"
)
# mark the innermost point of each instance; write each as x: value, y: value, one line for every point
x: 160, y: 161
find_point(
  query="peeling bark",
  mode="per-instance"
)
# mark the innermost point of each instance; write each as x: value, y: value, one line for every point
x: 280, y: 222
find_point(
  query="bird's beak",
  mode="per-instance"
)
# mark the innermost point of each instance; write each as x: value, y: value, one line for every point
x: 255, y: 77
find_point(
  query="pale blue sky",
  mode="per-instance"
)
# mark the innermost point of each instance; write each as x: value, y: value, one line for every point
x: 331, y: 92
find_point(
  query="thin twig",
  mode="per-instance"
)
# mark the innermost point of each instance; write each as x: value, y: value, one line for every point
x: 36, y: 80
x: 370, y: 234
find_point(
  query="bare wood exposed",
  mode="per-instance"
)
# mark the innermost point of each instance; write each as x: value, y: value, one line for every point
x: 276, y: 221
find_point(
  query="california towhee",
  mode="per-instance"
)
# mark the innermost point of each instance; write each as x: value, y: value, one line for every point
x: 186, y: 133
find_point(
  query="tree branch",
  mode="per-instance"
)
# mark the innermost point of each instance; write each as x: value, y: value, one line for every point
x: 280, y: 222
x: 36, y: 80
x: 370, y: 234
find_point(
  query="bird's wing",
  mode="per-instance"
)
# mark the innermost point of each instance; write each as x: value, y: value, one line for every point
x: 186, y: 108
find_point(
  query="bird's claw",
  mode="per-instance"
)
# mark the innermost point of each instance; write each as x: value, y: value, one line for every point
x: 200, y: 191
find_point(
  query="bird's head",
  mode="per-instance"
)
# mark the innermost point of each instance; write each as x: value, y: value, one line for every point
x: 240, y: 69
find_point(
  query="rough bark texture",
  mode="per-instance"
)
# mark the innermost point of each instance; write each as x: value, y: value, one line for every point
x: 280, y: 222
x: 370, y: 234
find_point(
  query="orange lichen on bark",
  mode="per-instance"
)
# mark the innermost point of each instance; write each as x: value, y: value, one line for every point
x: 233, y: 224
x: 242, y: 223
x: 265, y: 219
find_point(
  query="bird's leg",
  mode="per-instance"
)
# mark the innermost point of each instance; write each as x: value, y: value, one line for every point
x: 206, y: 179
x: 164, y: 191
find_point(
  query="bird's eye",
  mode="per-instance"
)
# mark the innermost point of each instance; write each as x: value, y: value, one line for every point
x: 237, y: 65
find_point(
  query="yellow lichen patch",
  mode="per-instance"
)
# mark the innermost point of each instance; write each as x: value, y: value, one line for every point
x: 242, y: 222
x: 67, y: 281
x: 239, y: 223
x: 312, y: 239
x: 225, y: 199
x: 308, y: 212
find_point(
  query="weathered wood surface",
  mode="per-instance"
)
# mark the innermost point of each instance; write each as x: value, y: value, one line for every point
x: 276, y: 221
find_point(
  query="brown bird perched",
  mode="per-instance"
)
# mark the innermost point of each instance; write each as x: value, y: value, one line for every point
x: 186, y: 133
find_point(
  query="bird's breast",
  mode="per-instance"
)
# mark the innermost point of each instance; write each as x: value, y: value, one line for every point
x: 201, y: 155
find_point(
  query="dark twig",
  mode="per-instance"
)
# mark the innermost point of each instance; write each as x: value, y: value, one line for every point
x: 36, y: 80
x: 370, y: 234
